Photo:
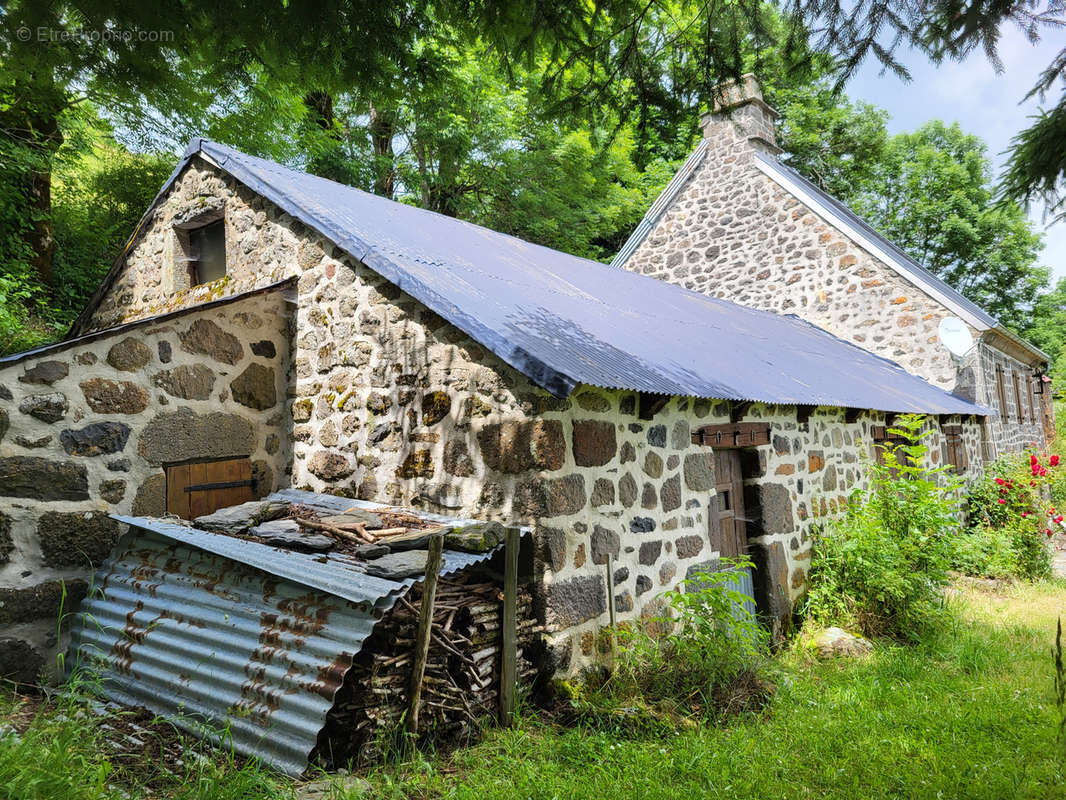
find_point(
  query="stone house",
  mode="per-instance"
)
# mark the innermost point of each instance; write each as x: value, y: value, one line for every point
x: 737, y: 223
x: 268, y: 329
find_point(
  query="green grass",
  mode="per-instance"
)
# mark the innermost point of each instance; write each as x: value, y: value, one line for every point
x: 968, y: 714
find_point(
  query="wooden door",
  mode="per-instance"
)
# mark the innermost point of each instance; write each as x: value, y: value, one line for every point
x: 200, y: 488
x: 729, y: 535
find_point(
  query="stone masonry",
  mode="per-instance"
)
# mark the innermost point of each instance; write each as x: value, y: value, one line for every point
x: 387, y: 401
x: 85, y: 429
x: 734, y: 232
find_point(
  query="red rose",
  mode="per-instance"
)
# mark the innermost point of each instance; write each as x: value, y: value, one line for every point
x: 1054, y: 461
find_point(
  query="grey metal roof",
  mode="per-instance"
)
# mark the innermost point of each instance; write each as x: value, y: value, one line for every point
x: 563, y: 320
x: 224, y: 634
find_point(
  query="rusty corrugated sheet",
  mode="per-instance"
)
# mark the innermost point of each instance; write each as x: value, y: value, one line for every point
x: 230, y: 637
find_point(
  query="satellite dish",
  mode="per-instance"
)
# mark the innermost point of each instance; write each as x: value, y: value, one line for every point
x: 955, y: 336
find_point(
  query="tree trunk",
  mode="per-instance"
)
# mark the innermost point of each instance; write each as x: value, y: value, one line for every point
x: 321, y: 104
x: 40, y: 235
x: 382, y: 132
x: 33, y: 119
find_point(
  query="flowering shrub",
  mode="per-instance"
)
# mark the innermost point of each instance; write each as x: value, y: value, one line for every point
x: 1016, y: 503
x: 881, y: 567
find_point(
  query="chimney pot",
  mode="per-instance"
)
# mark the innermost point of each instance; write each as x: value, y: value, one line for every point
x: 730, y: 94
x: 740, y: 105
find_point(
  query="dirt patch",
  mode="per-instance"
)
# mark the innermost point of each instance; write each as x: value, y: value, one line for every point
x: 24, y: 711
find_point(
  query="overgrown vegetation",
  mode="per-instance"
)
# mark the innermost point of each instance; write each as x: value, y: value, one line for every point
x: 66, y: 746
x: 702, y: 657
x: 971, y: 709
x: 881, y: 568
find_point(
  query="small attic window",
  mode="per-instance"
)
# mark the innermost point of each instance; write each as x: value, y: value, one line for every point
x: 207, y: 253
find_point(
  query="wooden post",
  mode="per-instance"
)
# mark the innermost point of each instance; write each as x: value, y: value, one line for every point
x: 425, y: 629
x: 509, y: 632
x: 610, y: 609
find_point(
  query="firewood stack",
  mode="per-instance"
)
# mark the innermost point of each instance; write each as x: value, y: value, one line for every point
x: 462, y: 679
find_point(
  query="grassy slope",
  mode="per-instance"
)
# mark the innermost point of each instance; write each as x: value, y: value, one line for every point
x: 968, y: 715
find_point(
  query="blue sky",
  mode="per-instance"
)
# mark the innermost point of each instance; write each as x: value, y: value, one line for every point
x: 980, y: 100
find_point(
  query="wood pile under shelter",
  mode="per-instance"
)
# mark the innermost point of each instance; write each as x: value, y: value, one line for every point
x: 461, y: 685
x: 313, y: 628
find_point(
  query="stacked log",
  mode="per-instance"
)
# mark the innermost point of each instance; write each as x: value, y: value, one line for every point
x: 461, y: 687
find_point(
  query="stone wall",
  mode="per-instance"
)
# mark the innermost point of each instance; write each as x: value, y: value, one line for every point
x: 733, y: 232
x: 1011, y: 430
x: 85, y: 429
x: 263, y: 246
x: 394, y: 404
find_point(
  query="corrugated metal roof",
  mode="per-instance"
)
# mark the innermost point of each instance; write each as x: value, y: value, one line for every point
x: 563, y: 320
x: 227, y: 635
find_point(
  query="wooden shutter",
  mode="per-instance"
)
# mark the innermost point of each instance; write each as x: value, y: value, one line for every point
x: 1001, y: 391
x: 205, y: 486
x: 954, y: 448
x: 884, y: 438
x: 1017, y: 397
x: 1032, y: 405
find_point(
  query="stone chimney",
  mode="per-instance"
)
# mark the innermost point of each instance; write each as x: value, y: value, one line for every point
x: 740, y: 116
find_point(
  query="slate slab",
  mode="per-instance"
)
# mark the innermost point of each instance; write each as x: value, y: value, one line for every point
x: 368, y: 551
x: 237, y: 519
x: 369, y: 519
x: 397, y: 566
x: 286, y: 533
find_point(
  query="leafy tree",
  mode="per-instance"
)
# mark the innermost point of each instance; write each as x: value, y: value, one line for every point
x: 102, y: 190
x: 168, y: 65
x: 626, y: 43
x: 1047, y: 329
x: 953, y: 29
x: 467, y: 138
x: 832, y: 140
x: 931, y: 193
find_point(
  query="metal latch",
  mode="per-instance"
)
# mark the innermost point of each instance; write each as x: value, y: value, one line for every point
x: 204, y: 487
